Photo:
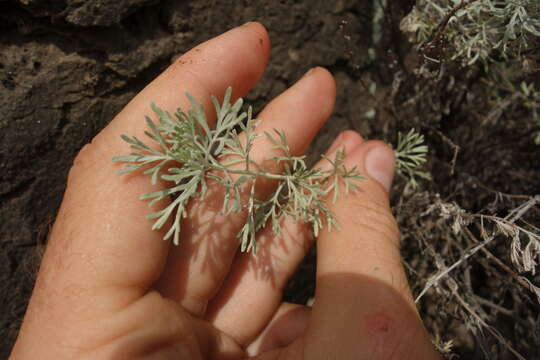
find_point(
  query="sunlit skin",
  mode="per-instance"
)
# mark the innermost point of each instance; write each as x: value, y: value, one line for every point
x: 110, y: 288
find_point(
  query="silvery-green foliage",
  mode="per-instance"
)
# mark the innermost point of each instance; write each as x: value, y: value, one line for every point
x: 475, y: 29
x: 190, y: 155
x: 410, y: 156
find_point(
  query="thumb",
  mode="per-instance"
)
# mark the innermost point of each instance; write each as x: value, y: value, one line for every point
x: 368, y: 242
x: 363, y: 307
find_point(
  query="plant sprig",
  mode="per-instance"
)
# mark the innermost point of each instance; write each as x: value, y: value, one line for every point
x: 410, y: 156
x: 189, y: 154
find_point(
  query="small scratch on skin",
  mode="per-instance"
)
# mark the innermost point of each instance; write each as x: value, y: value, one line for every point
x: 378, y: 323
x: 380, y: 326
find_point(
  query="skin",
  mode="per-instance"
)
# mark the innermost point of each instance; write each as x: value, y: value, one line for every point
x: 110, y: 288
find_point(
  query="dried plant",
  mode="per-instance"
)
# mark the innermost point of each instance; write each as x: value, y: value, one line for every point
x: 525, y: 258
x: 457, y: 240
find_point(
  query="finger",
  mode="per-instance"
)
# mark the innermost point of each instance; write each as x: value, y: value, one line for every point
x: 101, y: 240
x: 151, y: 327
x: 368, y: 243
x: 154, y: 327
x: 362, y: 299
x: 236, y: 58
x: 287, y: 324
x: 258, y: 281
x: 196, y: 269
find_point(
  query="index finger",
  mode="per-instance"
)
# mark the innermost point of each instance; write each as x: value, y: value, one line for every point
x: 101, y: 238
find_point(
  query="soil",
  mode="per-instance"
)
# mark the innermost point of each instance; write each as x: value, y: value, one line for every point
x: 68, y: 66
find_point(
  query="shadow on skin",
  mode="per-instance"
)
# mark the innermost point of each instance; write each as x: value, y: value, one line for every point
x: 209, y: 240
x: 354, y: 317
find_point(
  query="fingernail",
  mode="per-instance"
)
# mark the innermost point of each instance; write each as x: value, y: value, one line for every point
x: 306, y: 74
x: 346, y: 141
x: 379, y: 165
x: 335, y: 145
x: 309, y: 72
x: 247, y: 24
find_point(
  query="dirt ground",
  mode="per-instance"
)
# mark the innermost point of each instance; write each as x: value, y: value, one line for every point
x: 68, y: 66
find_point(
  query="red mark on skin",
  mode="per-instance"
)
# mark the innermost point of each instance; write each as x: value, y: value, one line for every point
x: 378, y: 324
x: 379, y: 329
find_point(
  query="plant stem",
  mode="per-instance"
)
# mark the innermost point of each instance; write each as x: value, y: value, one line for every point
x: 259, y: 174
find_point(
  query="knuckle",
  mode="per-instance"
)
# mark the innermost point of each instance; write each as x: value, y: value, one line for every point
x: 82, y: 161
x: 169, y: 312
x: 370, y: 215
x: 90, y: 158
x: 153, y: 326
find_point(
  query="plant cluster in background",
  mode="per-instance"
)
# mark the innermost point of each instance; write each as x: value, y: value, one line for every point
x: 473, y: 81
x: 475, y: 30
x: 502, y: 36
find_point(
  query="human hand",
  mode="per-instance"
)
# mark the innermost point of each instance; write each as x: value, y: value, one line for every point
x: 110, y: 288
